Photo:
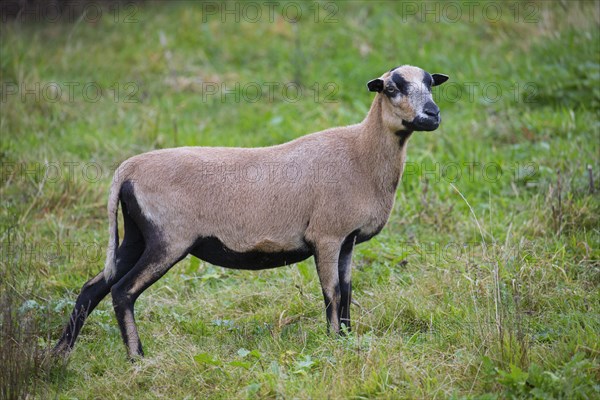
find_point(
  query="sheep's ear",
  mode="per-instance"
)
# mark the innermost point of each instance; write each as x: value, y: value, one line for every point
x: 375, y: 85
x: 438, y: 79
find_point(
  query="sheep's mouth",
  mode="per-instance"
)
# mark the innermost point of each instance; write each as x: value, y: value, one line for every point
x: 423, y: 123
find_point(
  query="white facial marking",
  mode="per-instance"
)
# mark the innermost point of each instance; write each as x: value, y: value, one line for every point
x: 418, y: 96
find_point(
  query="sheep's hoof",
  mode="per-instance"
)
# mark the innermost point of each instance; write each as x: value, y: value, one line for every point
x: 345, y: 330
x: 61, y: 350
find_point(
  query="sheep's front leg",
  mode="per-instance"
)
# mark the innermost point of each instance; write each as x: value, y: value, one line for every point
x: 326, y: 259
x: 345, y: 277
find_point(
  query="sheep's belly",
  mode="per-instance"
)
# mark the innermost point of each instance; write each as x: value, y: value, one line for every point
x: 212, y: 250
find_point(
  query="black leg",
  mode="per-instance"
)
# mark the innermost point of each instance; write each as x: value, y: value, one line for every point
x: 153, y: 264
x: 91, y: 294
x: 345, y: 277
x: 97, y: 288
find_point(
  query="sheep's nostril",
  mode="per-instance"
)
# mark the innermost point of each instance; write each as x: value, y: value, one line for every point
x: 431, y: 110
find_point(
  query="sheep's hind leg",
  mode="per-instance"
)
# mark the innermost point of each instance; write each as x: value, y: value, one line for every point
x: 153, y: 264
x: 92, y: 292
x: 98, y: 287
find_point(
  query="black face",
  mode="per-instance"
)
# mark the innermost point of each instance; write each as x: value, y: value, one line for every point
x: 428, y: 116
x: 428, y: 120
x: 409, y: 90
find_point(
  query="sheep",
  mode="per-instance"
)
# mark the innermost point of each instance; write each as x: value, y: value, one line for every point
x: 220, y: 205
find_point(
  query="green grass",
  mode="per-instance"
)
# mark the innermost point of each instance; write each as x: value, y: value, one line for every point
x: 484, y: 283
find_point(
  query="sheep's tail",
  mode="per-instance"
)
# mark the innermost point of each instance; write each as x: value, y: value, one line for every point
x: 110, y: 266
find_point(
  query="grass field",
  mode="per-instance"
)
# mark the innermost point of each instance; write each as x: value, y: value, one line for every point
x: 484, y: 283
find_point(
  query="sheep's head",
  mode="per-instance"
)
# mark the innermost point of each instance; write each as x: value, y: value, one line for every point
x: 407, y: 101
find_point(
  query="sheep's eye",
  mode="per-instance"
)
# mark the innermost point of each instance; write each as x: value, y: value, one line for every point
x: 391, y: 90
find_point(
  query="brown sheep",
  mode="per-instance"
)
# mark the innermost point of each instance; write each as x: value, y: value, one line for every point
x: 256, y: 208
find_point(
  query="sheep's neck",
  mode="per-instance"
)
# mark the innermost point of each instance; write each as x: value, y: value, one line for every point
x: 385, y: 148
